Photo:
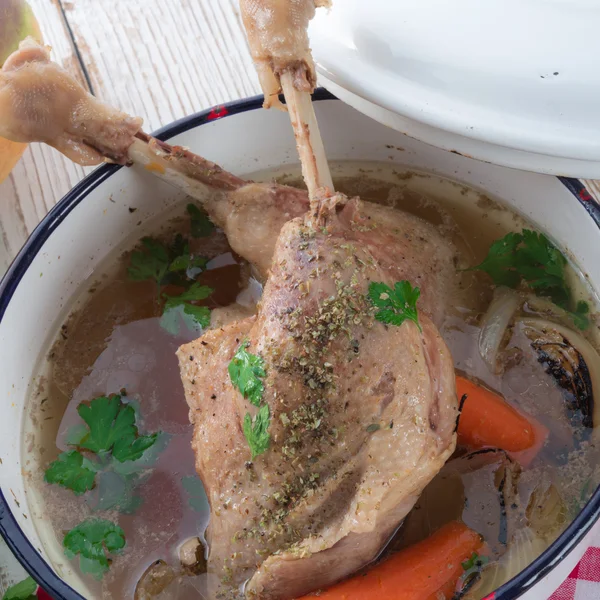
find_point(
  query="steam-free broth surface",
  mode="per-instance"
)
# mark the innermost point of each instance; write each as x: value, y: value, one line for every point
x: 120, y: 342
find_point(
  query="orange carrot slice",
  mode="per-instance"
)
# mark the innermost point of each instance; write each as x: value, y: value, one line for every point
x: 487, y: 420
x: 428, y: 570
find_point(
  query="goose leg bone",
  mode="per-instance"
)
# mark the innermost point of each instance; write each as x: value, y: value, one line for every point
x: 277, y: 33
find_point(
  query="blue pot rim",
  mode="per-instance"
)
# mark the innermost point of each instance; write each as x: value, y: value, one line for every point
x: 10, y: 530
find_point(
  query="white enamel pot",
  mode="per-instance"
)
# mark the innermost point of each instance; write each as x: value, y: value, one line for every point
x: 94, y: 218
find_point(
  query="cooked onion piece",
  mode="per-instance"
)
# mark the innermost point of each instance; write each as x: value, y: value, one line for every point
x: 546, y: 511
x: 546, y: 516
x: 523, y: 549
x: 494, y: 325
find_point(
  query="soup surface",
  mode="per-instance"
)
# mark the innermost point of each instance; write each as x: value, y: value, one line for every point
x: 116, y: 352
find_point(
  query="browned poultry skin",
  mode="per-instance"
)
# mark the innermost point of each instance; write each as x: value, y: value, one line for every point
x: 252, y: 217
x: 277, y: 32
x: 41, y: 102
x: 332, y: 488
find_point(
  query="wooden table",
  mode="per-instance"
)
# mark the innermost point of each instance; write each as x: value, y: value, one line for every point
x: 158, y: 59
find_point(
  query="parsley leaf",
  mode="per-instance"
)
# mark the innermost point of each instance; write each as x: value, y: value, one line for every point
x: 180, y: 308
x: 580, y: 315
x: 192, y: 265
x: 174, y: 265
x: 199, y: 314
x: 24, y: 590
x: 152, y: 262
x: 542, y: 266
x: 165, y: 264
x: 112, y: 428
x: 256, y: 430
x: 123, y: 457
x: 200, y: 223
x: 195, y: 318
x: 178, y: 247
x: 72, y: 471
x: 395, y: 305
x: 117, y: 482
x: 246, y: 371
x: 499, y: 263
x: 530, y: 257
x: 93, y: 540
x: 194, y: 293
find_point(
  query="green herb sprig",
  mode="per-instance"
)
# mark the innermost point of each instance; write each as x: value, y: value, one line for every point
x: 530, y: 258
x: 174, y: 265
x: 256, y: 431
x: 112, y: 429
x: 246, y: 371
x: 395, y: 305
x: 24, y: 590
x: 181, y: 307
x: 111, y: 433
x: 93, y: 541
x: 73, y: 471
x: 201, y: 225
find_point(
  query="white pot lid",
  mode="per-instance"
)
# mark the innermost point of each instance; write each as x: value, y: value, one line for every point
x: 513, y: 82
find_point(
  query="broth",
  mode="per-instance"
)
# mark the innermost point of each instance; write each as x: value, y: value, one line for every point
x: 114, y: 341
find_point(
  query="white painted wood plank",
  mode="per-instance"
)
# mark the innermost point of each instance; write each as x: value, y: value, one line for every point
x: 162, y: 60
x: 157, y: 59
x: 593, y: 187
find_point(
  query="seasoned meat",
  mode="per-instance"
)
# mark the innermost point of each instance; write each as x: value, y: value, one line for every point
x: 362, y: 414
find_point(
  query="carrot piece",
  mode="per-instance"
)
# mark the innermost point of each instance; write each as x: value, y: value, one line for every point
x: 428, y: 570
x: 487, y: 420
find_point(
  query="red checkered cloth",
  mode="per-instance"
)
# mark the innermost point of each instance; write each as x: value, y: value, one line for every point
x: 584, y: 581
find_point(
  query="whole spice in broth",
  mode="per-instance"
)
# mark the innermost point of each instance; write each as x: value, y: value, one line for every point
x: 155, y: 580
